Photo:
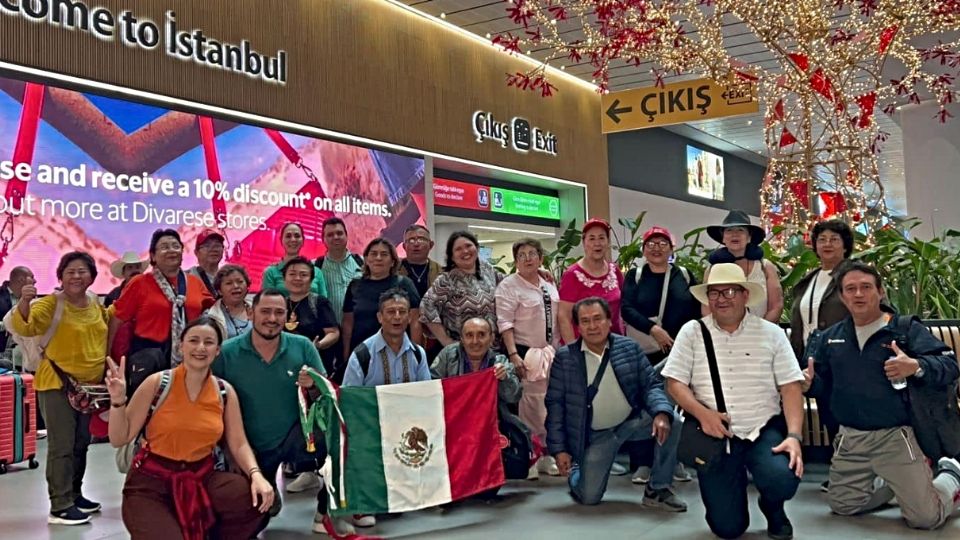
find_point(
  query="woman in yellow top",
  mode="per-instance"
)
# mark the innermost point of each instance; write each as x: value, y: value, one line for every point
x: 172, y: 489
x: 78, y: 346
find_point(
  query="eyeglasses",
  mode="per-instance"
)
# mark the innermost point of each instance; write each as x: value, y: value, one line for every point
x: 417, y: 240
x: 528, y: 256
x: 379, y: 255
x: 727, y: 293
x: 662, y: 244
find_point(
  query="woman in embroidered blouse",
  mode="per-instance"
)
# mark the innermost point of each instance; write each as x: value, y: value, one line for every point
x: 291, y: 237
x: 592, y: 275
x: 172, y: 489
x: 465, y: 289
x: 232, y: 309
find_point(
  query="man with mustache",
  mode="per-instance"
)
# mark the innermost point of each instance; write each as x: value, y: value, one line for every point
x: 265, y: 365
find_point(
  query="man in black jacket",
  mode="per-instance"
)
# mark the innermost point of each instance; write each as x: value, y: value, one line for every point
x: 603, y: 392
x: 865, y: 364
x: 10, y: 295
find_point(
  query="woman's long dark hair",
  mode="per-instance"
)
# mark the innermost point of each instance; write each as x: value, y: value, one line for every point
x: 450, y: 241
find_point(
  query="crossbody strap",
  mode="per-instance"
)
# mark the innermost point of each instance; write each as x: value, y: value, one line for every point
x: 595, y: 385
x: 54, y: 323
x: 714, y: 370
x: 663, y: 294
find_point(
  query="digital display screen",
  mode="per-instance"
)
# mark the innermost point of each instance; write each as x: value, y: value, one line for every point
x: 704, y: 174
x: 457, y: 194
x: 85, y: 172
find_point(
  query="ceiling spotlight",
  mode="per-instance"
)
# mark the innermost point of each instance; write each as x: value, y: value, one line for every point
x: 443, y: 15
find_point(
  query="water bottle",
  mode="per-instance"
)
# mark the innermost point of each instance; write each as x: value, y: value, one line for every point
x: 897, y: 384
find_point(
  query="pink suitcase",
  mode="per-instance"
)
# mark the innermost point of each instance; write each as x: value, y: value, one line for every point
x: 18, y: 423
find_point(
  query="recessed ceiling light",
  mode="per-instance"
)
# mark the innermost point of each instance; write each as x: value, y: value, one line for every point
x: 443, y: 15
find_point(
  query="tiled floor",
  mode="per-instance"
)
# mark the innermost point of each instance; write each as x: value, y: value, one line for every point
x: 528, y: 510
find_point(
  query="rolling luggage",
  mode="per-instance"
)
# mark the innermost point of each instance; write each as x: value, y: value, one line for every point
x: 18, y: 423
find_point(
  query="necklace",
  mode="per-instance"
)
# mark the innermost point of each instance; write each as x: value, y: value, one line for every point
x: 292, y: 322
x: 236, y: 326
x: 419, y: 277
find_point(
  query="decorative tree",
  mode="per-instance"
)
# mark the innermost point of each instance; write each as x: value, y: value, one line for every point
x: 833, y: 63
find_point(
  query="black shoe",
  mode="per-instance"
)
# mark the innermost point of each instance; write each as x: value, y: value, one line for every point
x: 782, y: 532
x: 825, y: 486
x: 70, y: 516
x: 664, y: 499
x: 86, y: 505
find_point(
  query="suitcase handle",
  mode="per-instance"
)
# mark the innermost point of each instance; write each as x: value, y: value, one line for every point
x: 26, y: 417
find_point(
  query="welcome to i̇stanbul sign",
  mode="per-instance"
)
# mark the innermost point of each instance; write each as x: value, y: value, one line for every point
x: 143, y: 33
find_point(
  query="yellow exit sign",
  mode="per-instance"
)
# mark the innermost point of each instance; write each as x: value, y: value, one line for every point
x: 676, y: 103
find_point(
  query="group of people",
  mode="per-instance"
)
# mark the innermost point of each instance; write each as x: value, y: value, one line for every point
x: 594, y: 366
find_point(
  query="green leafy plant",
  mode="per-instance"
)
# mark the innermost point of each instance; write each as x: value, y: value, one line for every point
x: 557, y: 261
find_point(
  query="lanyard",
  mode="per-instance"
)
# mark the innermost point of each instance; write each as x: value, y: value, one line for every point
x: 386, y: 367
x: 813, y: 291
x: 548, y: 310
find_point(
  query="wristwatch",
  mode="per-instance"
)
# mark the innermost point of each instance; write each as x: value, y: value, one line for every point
x: 920, y: 372
x: 796, y: 436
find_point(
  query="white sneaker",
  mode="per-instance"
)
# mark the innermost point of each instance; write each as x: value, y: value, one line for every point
x: 41, y: 434
x: 304, y: 482
x: 642, y: 476
x: 618, y: 469
x: 364, y: 520
x: 533, y: 473
x: 548, y: 465
x: 323, y: 524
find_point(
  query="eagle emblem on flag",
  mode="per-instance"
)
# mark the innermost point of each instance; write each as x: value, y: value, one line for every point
x: 414, y: 449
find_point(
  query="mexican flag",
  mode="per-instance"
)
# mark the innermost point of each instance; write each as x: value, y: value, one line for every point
x: 403, y: 447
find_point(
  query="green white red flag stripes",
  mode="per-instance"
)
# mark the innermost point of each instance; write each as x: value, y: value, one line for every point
x: 402, y: 447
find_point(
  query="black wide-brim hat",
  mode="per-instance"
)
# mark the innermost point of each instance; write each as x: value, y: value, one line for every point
x: 737, y: 218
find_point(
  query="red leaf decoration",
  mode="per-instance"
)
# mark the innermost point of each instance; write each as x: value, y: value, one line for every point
x: 886, y: 37
x: 834, y: 203
x: 800, y: 60
x: 821, y: 84
x: 799, y: 191
x: 866, y: 103
x: 787, y: 138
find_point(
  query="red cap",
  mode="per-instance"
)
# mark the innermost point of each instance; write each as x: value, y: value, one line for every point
x: 658, y: 231
x: 207, y: 234
x: 595, y: 222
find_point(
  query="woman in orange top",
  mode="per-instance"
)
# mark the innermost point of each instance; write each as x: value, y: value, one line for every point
x: 175, y: 464
x: 158, y: 303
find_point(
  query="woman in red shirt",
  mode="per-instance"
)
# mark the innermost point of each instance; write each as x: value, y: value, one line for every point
x: 158, y: 303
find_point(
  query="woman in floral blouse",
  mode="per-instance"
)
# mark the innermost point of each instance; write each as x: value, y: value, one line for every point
x: 593, y: 275
x: 464, y: 290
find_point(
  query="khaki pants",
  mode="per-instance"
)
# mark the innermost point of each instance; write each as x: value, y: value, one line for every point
x: 894, y: 455
x: 68, y: 436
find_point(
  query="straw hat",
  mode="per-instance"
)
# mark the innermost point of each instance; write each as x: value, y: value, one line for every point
x: 726, y: 274
x: 116, y: 267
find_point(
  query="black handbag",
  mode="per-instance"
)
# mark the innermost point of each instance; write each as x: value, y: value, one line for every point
x: 697, y: 449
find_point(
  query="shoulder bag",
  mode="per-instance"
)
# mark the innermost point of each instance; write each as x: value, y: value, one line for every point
x: 697, y: 449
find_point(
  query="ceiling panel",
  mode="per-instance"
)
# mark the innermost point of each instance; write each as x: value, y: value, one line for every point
x: 741, y: 136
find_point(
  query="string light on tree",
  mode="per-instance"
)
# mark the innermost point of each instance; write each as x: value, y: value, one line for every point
x: 824, y: 74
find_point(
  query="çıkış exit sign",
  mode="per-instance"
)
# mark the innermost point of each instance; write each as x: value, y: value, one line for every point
x: 454, y: 194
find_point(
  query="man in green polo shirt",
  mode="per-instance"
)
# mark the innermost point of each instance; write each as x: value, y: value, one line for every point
x: 265, y: 365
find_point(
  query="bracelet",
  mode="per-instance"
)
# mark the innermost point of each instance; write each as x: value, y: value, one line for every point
x: 796, y: 436
x: 253, y: 470
x: 117, y: 405
x: 513, y: 353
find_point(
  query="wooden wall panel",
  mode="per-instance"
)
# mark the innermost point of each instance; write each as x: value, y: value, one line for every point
x: 363, y: 67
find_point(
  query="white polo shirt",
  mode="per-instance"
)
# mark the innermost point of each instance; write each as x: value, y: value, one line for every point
x: 754, y: 361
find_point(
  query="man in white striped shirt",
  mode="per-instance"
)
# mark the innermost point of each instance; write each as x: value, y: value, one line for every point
x: 757, y: 370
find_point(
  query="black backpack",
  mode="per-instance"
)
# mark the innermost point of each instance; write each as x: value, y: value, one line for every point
x: 934, y: 412
x: 363, y: 356
x: 516, y: 456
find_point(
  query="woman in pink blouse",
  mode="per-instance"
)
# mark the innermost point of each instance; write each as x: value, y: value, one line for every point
x: 527, y: 320
x: 592, y: 275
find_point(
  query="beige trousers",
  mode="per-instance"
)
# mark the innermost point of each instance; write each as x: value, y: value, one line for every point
x: 894, y: 455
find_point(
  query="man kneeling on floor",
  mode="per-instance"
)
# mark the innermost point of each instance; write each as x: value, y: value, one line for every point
x: 593, y: 410
x: 866, y: 363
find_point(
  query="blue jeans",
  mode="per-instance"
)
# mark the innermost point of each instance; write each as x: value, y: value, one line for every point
x: 588, y: 479
x: 723, y: 488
